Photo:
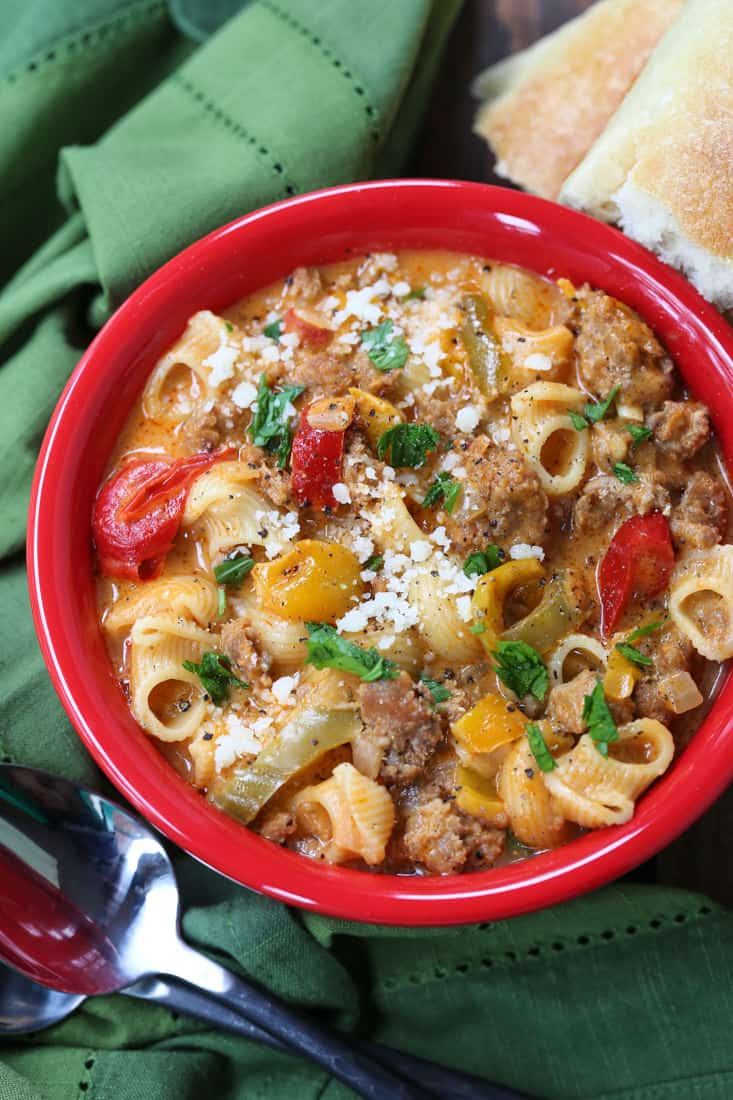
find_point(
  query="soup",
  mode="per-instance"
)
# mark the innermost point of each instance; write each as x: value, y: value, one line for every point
x: 416, y: 562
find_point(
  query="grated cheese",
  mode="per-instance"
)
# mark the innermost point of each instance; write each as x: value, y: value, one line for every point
x: 522, y: 550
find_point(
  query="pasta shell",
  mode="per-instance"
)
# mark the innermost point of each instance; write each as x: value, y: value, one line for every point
x: 594, y: 790
x: 701, y: 601
x: 543, y: 430
x: 534, y: 816
x: 187, y: 596
x: 158, y: 681
x: 360, y: 812
x: 179, y: 381
x: 582, y: 643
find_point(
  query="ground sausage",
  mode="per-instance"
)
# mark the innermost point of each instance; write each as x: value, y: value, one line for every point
x: 323, y: 372
x: 502, y: 501
x: 565, y: 704
x: 610, y: 444
x: 605, y: 501
x: 616, y: 348
x: 443, y: 839
x: 276, y: 827
x: 207, y: 429
x: 401, y: 730
x: 701, y: 517
x: 681, y: 427
x: 274, y: 483
x: 671, y: 652
x: 238, y: 643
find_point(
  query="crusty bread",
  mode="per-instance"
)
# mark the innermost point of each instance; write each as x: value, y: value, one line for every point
x: 547, y: 105
x: 663, y: 168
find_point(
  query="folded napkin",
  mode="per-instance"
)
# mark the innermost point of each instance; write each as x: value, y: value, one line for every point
x: 127, y: 129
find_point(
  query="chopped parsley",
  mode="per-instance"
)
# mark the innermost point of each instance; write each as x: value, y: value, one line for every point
x: 216, y: 676
x: 408, y: 444
x: 385, y: 351
x: 540, y: 751
x: 221, y: 600
x: 438, y: 691
x: 233, y: 569
x: 599, y: 719
x: 645, y: 631
x: 444, y: 488
x: 593, y: 411
x: 632, y: 654
x: 416, y: 292
x: 270, y: 427
x: 327, y: 649
x: 639, y: 434
x: 275, y: 329
x: 483, y: 561
x: 521, y: 668
x: 375, y: 563
x: 624, y: 473
x: 478, y: 628
x: 229, y: 326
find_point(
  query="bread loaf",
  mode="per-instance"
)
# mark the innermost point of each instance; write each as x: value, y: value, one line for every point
x: 546, y: 106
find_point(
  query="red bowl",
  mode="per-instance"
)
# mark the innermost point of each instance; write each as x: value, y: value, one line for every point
x: 212, y: 274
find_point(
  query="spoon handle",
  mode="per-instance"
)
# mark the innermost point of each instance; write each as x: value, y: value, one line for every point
x: 361, y: 1073
x: 432, y: 1079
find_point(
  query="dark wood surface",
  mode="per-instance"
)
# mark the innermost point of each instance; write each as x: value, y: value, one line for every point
x: 486, y: 31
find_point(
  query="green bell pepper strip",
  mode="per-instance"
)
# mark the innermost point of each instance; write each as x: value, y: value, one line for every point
x: 309, y: 734
x: 556, y: 615
x: 483, y: 348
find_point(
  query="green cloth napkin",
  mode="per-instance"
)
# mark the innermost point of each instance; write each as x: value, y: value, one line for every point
x: 127, y: 129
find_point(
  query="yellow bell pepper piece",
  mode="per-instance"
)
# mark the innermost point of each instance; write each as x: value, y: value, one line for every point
x: 376, y: 414
x: 620, y: 678
x: 315, y: 580
x: 491, y: 592
x: 476, y: 795
x: 567, y: 288
x: 491, y: 723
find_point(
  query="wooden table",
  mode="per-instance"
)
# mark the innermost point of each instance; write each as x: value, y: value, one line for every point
x: 487, y: 30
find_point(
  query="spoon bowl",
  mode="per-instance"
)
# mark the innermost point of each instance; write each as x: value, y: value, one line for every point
x: 26, y: 1007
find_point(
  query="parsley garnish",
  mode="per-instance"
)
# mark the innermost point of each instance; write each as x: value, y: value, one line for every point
x: 221, y: 600
x: 521, y: 668
x: 645, y: 631
x: 275, y: 329
x: 624, y: 473
x: 639, y: 434
x: 579, y: 421
x: 229, y: 326
x: 483, y: 561
x: 270, y: 427
x: 408, y: 444
x: 540, y: 751
x: 438, y: 691
x: 478, y: 628
x: 375, y: 563
x: 633, y: 655
x: 216, y: 676
x: 386, y: 353
x: 327, y: 649
x: 416, y: 292
x: 593, y: 411
x: 233, y: 570
x: 444, y: 488
x: 599, y: 719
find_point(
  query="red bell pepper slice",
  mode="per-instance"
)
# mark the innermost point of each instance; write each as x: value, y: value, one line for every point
x: 315, y: 461
x: 138, y: 512
x: 638, y: 562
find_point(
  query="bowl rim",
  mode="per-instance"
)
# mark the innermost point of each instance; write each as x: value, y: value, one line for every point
x: 545, y: 879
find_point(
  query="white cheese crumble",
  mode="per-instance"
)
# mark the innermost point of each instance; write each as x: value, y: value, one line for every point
x: 362, y: 305
x: 467, y: 418
x: 420, y: 550
x: 221, y: 363
x: 463, y: 606
x: 276, y: 531
x: 363, y: 547
x: 401, y: 289
x: 522, y: 550
x: 284, y: 687
x: 538, y: 361
x: 239, y: 740
x: 244, y: 395
x: 341, y: 493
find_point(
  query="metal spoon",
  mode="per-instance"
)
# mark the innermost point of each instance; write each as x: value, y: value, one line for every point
x: 90, y: 905
x: 26, y: 1007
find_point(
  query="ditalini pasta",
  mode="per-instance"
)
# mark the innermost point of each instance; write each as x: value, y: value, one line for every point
x: 417, y: 562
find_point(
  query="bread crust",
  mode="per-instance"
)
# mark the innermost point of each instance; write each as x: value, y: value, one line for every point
x: 555, y: 99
